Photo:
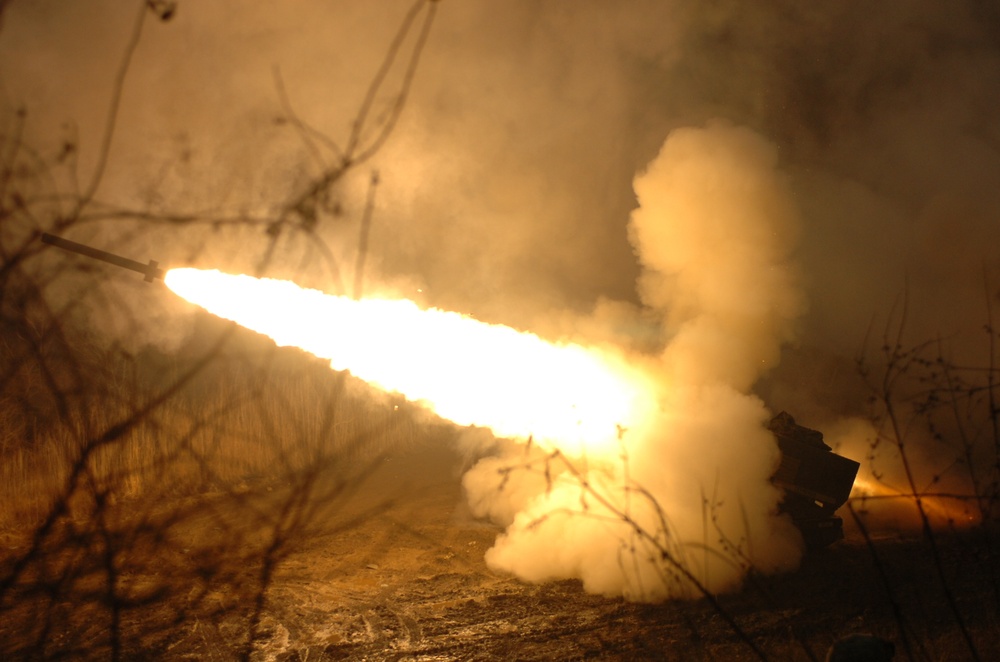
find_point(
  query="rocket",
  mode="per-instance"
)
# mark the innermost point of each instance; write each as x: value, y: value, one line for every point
x: 151, y: 271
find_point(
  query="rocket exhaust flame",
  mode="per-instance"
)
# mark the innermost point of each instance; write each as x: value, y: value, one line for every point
x: 517, y: 384
x: 714, y: 232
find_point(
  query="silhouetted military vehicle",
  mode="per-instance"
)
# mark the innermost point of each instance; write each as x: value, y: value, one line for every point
x: 816, y: 481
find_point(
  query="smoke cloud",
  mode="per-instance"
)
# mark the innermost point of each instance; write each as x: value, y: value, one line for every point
x: 714, y: 232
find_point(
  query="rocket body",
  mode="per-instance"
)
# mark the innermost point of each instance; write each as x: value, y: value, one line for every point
x: 151, y: 271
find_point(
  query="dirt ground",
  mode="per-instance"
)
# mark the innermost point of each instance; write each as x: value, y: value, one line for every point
x: 407, y: 581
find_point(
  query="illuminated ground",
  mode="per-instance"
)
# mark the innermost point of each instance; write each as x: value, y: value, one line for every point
x: 410, y: 583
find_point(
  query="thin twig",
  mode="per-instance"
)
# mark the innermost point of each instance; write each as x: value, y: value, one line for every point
x: 111, y: 120
x: 366, y: 223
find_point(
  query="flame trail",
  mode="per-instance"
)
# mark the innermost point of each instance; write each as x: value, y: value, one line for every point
x: 464, y: 370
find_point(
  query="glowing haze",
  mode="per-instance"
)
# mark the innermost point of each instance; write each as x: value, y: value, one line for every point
x: 660, y: 455
x: 505, y: 194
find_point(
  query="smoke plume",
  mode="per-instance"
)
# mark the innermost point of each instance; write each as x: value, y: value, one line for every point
x: 714, y: 233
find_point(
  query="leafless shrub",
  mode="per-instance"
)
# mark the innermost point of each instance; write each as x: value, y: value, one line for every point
x: 145, y: 493
x: 922, y: 399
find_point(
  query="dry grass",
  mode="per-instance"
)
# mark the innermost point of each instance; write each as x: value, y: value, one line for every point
x: 134, y: 489
x: 246, y: 420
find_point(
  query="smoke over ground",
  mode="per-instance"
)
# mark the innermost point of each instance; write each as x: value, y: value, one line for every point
x: 506, y: 191
x: 714, y: 233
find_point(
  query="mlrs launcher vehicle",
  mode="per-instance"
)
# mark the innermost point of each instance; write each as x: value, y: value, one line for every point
x: 816, y: 481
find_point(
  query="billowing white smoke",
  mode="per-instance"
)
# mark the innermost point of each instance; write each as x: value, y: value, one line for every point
x: 714, y: 233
